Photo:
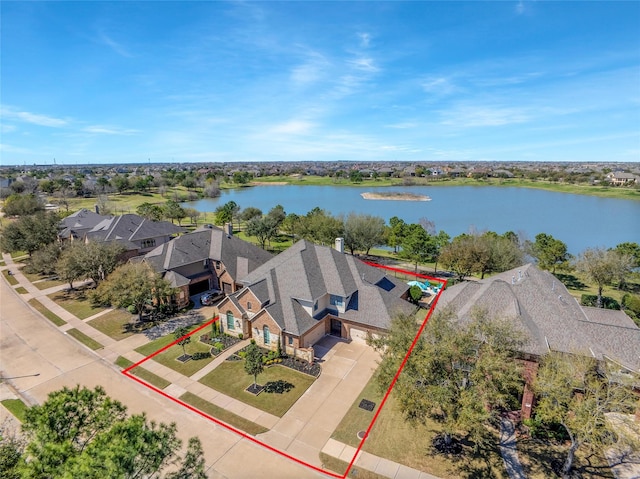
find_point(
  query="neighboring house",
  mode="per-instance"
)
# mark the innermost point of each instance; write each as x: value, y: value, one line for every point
x: 619, y: 178
x: 540, y: 306
x: 309, y: 291
x: 77, y: 224
x: 205, y: 259
x: 136, y: 234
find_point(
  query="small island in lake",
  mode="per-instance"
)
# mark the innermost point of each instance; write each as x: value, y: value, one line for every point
x: 394, y: 195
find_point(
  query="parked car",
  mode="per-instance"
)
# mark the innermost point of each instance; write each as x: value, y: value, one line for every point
x: 207, y: 299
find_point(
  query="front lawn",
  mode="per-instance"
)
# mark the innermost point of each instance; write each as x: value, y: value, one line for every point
x: 76, y: 302
x: 231, y: 379
x: 113, y: 324
x: 169, y: 356
x: 21, y: 290
x: 393, y: 438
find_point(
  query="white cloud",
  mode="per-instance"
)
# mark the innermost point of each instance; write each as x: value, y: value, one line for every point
x: 365, y: 39
x: 33, y: 118
x: 439, y: 86
x: 115, y: 46
x: 364, y: 64
x: 108, y: 130
x: 293, y: 127
x: 478, y: 116
x: 310, y: 71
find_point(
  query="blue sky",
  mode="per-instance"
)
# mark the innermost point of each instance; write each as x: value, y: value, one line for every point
x: 116, y: 82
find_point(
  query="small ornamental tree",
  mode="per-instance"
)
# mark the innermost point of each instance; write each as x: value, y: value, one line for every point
x: 253, y: 362
x: 182, y: 333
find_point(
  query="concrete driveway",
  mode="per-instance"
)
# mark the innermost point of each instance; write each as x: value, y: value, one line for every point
x: 307, y: 426
x: 30, y: 344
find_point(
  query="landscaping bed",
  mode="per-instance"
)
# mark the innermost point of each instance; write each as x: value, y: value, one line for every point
x: 219, y: 343
x: 271, y: 358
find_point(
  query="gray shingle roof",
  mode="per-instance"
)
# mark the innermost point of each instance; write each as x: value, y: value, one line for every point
x: 238, y: 256
x: 306, y: 272
x: 126, y: 229
x: 540, y: 305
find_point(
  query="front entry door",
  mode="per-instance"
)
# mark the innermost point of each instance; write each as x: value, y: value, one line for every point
x: 336, y: 327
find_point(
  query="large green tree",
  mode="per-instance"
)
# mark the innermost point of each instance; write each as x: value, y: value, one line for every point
x: 574, y: 393
x: 603, y: 267
x: 174, y: 211
x: 461, y: 375
x: 30, y: 233
x: 396, y: 233
x: 363, y: 232
x: 417, y: 245
x: 98, y: 259
x: 132, y: 284
x: 150, y: 211
x: 81, y: 432
x: 550, y: 252
x: 22, y: 205
x: 264, y: 228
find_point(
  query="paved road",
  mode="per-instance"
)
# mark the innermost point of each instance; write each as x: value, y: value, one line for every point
x: 29, y: 344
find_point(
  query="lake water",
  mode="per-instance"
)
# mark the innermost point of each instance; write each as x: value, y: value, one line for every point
x: 580, y: 221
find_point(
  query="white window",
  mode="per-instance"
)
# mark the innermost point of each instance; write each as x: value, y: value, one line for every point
x: 249, y: 305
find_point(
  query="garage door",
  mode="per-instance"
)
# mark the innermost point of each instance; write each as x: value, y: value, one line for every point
x: 314, y: 335
x: 359, y: 335
x: 199, y: 287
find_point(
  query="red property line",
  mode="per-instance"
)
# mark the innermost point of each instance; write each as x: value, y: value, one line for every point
x: 243, y: 434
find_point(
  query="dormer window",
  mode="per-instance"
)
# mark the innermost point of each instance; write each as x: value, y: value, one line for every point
x: 217, y: 264
x: 337, y: 301
x: 148, y: 243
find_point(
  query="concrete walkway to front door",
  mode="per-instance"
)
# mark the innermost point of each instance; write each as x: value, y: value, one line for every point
x: 304, y: 430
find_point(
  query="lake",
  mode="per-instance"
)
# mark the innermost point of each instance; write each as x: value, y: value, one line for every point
x: 580, y: 221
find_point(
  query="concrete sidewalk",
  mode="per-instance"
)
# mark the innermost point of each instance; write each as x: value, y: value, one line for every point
x: 372, y: 463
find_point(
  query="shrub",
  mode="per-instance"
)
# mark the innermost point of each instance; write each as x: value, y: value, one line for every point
x: 240, y: 336
x: 132, y: 309
x: 242, y: 354
x: 219, y: 346
x: 592, y: 300
x: 631, y: 305
x: 253, y: 341
x: 200, y: 355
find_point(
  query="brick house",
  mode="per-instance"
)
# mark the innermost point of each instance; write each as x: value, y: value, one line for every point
x: 205, y: 259
x: 309, y: 291
x: 551, y: 319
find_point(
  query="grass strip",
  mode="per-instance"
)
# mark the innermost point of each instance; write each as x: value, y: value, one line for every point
x: 76, y: 302
x: 84, y: 339
x: 339, y: 466
x: 230, y: 418
x: 54, y: 318
x: 16, y: 407
x: 143, y: 373
x: 21, y: 290
x: 10, y: 279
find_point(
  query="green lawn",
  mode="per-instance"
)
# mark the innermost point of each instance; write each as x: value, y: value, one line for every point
x: 143, y: 373
x: 15, y: 407
x: 42, y: 282
x: 76, y: 302
x: 231, y: 379
x: 395, y: 439
x: 113, y: 324
x: 223, y: 415
x: 168, y: 357
x: 21, y: 290
x: 84, y: 339
x: 54, y: 318
x: 10, y: 278
x: 336, y: 465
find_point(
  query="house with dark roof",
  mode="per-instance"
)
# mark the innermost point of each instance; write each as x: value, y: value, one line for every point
x: 136, y: 234
x: 206, y: 259
x: 540, y: 306
x: 309, y: 291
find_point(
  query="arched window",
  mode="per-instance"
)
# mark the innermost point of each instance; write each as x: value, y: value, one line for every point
x: 267, y: 334
x: 230, y: 324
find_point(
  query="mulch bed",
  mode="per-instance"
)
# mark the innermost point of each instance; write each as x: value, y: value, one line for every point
x: 183, y: 358
x: 255, y: 389
x: 227, y: 341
